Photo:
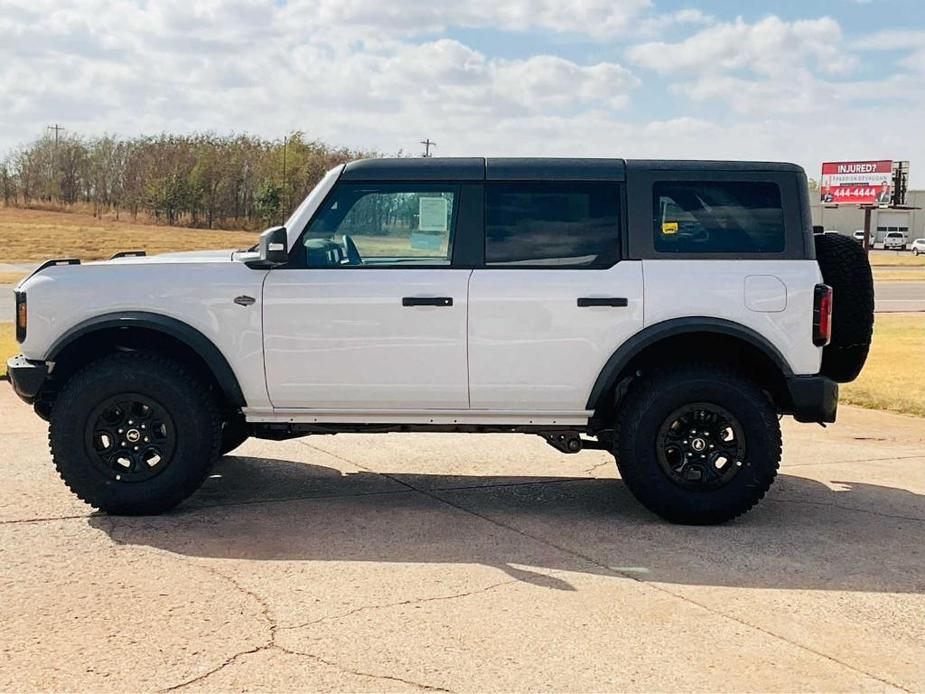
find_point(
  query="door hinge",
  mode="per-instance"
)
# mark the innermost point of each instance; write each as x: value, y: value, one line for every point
x: 244, y: 300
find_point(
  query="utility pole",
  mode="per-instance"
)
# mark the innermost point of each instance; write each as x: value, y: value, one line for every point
x: 285, y: 186
x: 427, y: 145
x: 54, y: 166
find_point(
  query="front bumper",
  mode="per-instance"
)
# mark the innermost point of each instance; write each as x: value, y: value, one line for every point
x: 27, y: 377
x: 814, y: 398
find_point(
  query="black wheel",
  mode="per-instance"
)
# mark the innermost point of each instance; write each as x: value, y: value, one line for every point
x: 234, y: 432
x: 134, y: 433
x: 845, y: 268
x: 697, y: 445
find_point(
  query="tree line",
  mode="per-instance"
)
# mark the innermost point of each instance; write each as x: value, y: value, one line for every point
x: 200, y: 180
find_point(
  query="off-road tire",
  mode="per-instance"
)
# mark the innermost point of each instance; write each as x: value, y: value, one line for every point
x: 235, y: 432
x: 845, y: 268
x: 653, y: 399
x: 193, y: 412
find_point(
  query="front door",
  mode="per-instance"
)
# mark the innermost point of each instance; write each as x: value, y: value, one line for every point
x: 369, y: 315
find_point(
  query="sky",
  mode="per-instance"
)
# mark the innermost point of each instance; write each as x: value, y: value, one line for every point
x: 804, y: 81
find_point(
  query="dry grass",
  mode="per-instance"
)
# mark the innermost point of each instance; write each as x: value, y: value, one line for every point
x: 897, y: 260
x: 894, y: 376
x: 36, y: 235
x: 11, y: 277
x: 8, y: 345
x: 899, y: 275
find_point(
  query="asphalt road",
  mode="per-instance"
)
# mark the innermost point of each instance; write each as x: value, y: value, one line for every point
x: 890, y: 297
x: 476, y: 563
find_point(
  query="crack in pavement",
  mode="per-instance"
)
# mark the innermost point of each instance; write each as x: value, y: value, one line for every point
x: 413, y: 601
x: 845, y: 508
x: 599, y: 465
x: 270, y: 644
x: 645, y: 584
x: 49, y: 519
x: 861, y: 460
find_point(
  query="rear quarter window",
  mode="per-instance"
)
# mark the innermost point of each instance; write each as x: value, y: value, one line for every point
x: 718, y: 217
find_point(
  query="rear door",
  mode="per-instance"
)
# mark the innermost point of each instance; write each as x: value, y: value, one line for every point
x: 553, y: 299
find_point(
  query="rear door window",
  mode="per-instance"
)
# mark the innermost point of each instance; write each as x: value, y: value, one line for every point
x: 562, y: 224
x: 718, y: 217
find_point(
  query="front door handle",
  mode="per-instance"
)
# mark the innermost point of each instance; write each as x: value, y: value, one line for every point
x: 617, y: 301
x: 427, y: 301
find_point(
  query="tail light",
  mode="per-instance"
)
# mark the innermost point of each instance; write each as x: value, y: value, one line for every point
x: 22, y: 316
x: 822, y: 315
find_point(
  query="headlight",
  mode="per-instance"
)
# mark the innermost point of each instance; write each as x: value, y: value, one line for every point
x: 22, y: 316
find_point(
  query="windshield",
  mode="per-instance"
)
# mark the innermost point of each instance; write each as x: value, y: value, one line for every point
x: 314, y: 198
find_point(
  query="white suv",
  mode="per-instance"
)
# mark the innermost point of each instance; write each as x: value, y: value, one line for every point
x: 665, y: 311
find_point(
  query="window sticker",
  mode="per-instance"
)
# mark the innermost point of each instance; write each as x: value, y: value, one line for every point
x: 669, y: 228
x: 432, y: 214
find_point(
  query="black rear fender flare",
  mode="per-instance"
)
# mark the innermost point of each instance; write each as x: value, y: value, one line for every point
x: 613, y: 369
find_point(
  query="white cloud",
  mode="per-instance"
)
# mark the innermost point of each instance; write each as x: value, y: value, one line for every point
x: 367, y: 73
x: 599, y: 18
x: 769, y: 48
x: 250, y: 65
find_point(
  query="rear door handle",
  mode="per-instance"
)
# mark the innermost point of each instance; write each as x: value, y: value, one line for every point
x: 617, y: 301
x: 427, y: 301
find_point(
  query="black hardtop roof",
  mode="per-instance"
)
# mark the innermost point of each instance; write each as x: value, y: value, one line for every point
x: 537, y: 168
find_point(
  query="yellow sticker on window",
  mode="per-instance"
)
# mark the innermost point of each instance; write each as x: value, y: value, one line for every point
x: 669, y: 228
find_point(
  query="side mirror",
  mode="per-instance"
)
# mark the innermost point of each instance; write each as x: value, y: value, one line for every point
x: 274, y: 246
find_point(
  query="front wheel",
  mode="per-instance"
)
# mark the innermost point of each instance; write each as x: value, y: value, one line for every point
x: 697, y: 445
x: 134, y: 433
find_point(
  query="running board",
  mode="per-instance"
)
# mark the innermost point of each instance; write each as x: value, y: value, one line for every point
x: 502, y: 418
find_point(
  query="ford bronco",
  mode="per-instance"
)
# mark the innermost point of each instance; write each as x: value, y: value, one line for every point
x: 666, y: 311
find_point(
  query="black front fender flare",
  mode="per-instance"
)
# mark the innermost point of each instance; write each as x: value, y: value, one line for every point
x: 172, y: 327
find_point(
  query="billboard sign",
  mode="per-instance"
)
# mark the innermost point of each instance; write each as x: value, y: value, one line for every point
x: 857, y: 182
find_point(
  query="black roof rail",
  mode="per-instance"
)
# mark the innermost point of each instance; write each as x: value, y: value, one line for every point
x: 129, y: 254
x: 52, y: 263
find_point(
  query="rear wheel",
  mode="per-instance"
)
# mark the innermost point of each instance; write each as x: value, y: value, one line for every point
x: 697, y: 445
x: 134, y: 433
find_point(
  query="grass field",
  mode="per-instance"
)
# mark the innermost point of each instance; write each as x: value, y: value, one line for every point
x: 10, y: 277
x: 894, y: 376
x: 897, y: 260
x: 35, y: 235
x: 8, y: 345
x: 881, y: 275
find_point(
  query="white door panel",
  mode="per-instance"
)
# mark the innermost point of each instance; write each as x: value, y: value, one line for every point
x: 341, y: 338
x: 531, y: 347
x: 729, y: 290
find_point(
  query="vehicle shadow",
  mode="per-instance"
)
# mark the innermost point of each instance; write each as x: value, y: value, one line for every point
x: 804, y: 535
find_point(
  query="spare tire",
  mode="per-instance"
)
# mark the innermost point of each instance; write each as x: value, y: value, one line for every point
x: 846, y: 269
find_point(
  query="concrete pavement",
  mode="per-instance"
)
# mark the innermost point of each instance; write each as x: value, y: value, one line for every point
x: 462, y: 563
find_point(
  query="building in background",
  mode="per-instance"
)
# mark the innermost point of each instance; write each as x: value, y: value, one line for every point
x: 848, y: 218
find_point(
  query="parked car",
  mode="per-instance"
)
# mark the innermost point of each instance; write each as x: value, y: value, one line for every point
x: 918, y: 246
x: 895, y: 240
x: 859, y: 236
x: 667, y: 312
